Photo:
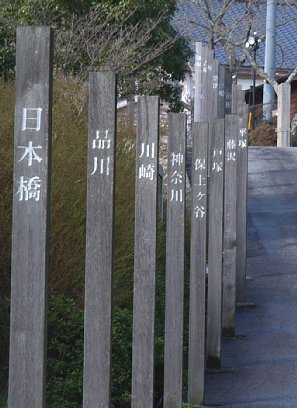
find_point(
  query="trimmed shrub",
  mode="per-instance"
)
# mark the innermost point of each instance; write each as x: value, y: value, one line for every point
x: 263, y: 135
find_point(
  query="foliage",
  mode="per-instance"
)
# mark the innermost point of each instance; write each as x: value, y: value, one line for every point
x: 65, y: 354
x: 7, y: 93
x: 186, y: 405
x: 4, y: 339
x: 68, y: 203
x: 67, y: 248
x: 124, y: 216
x: 3, y: 400
x: 228, y: 24
x: 121, y: 357
x: 263, y: 135
x: 7, y: 47
x: 135, y: 39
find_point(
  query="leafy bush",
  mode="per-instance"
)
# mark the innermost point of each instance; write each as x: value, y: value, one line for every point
x: 67, y: 246
x: 65, y: 354
x: 3, y: 401
x: 4, y: 339
x: 263, y: 135
x: 121, y: 357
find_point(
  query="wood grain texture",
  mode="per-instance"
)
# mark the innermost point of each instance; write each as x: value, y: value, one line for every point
x: 205, y: 85
x: 215, y: 246
x: 228, y: 93
x: 215, y: 88
x: 283, y: 115
x: 146, y: 202
x: 221, y: 91
x: 234, y: 98
x: 229, y: 235
x: 30, y: 229
x: 198, y: 83
x: 197, y: 312
x: 173, y: 354
x: 99, y: 239
x: 241, y: 226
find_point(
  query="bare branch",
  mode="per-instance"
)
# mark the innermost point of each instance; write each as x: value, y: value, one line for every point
x: 221, y: 27
x: 99, y: 41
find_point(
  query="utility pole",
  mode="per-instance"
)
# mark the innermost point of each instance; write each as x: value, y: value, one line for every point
x: 269, y: 67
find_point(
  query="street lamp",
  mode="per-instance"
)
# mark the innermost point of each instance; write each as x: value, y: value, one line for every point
x: 252, y: 44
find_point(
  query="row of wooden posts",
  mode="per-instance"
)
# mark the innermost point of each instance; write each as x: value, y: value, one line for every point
x: 218, y: 222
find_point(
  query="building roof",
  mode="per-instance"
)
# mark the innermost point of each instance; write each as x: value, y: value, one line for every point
x: 189, y: 21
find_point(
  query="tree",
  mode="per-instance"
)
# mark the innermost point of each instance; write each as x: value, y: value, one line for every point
x: 133, y: 38
x: 228, y: 24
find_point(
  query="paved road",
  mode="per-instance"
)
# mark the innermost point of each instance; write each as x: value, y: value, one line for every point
x: 259, y: 366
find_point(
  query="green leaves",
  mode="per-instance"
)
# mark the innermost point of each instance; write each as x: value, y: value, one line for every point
x: 133, y: 38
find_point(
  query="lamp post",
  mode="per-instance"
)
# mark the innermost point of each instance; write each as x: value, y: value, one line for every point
x: 252, y: 44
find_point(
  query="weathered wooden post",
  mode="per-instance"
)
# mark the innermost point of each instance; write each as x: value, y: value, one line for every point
x: 198, y: 83
x: 206, y: 85
x: 208, y: 97
x: 215, y: 246
x: 229, y: 238
x: 215, y: 88
x: 197, y: 311
x: 283, y: 115
x: 228, y: 93
x: 99, y: 239
x: 173, y: 354
x: 146, y: 203
x: 241, y: 228
x: 221, y: 91
x: 235, y: 97
x: 30, y: 229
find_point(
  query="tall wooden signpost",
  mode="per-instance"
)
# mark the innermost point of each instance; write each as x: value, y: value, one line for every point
x: 173, y: 354
x: 229, y: 237
x: 146, y: 199
x: 228, y: 92
x: 242, y: 176
x: 215, y: 246
x: 99, y: 239
x: 198, y: 264
x: 198, y: 82
x: 221, y: 91
x: 30, y: 230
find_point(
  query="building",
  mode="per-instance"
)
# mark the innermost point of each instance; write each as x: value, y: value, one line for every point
x: 191, y: 22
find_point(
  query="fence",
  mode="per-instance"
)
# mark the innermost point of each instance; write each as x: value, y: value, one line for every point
x: 218, y: 218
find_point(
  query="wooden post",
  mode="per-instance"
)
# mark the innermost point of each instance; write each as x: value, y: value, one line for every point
x: 30, y: 229
x: 228, y: 93
x: 208, y: 98
x: 198, y: 264
x: 241, y: 229
x: 283, y: 115
x: 198, y: 83
x: 146, y: 203
x: 205, y: 86
x: 215, y: 88
x: 229, y: 239
x: 215, y: 247
x: 99, y: 239
x: 173, y: 357
x: 234, y: 100
x: 221, y: 91
x: 208, y: 94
